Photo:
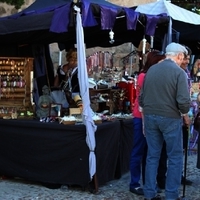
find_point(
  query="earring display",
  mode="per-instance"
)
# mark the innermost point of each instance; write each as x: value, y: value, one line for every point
x: 15, y: 86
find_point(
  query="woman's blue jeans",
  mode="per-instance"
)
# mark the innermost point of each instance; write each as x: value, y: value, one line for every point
x: 137, y: 153
x: 157, y: 129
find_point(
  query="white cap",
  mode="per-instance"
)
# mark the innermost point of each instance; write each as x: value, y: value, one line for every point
x: 176, y: 48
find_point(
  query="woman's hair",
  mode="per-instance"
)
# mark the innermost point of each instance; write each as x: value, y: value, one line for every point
x: 152, y: 58
x: 71, y: 54
x: 188, y: 50
x: 196, y: 66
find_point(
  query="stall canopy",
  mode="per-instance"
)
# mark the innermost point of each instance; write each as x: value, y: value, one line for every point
x: 39, y: 24
x: 29, y: 32
x: 185, y: 23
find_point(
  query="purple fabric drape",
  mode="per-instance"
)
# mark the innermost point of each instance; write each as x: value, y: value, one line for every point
x: 60, y: 21
x: 131, y: 17
x: 151, y: 24
x: 87, y: 15
x: 108, y: 17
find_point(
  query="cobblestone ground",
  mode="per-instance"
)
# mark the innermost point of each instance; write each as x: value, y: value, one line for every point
x: 115, y: 190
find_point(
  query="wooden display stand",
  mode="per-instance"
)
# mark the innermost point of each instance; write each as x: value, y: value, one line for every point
x: 16, y: 74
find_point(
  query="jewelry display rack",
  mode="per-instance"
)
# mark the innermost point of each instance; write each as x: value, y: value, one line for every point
x: 16, y: 74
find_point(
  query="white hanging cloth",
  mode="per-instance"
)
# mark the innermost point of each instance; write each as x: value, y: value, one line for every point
x: 84, y: 91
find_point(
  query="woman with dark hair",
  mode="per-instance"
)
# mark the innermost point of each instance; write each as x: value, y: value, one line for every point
x: 138, y: 152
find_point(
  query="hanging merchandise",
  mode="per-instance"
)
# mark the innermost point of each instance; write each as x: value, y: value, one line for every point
x: 152, y: 41
x: 144, y: 45
x: 111, y: 35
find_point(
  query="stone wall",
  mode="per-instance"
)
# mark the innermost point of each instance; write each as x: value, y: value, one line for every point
x: 130, y: 3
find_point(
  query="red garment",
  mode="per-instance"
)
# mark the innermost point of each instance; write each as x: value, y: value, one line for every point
x: 140, y: 80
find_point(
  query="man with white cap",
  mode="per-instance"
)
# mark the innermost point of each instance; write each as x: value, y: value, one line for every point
x: 165, y: 101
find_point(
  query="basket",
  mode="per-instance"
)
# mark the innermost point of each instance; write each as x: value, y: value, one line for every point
x: 67, y: 122
x: 98, y: 121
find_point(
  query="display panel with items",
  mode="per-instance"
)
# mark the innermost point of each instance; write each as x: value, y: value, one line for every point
x: 108, y: 89
x: 16, y: 74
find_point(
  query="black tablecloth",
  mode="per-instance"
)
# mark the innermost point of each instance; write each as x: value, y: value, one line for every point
x: 126, y: 143
x: 56, y: 153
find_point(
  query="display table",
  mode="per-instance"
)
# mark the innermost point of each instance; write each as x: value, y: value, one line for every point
x: 56, y: 153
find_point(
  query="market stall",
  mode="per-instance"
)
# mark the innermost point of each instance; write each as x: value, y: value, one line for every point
x: 40, y: 139
x: 20, y: 38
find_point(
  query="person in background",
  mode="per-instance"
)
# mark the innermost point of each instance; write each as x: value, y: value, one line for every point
x: 165, y: 101
x: 138, y: 153
x: 63, y: 71
x: 184, y: 66
x: 196, y: 71
x: 67, y: 76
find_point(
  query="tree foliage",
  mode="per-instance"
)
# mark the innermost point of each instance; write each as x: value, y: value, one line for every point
x: 16, y: 3
x: 191, y: 5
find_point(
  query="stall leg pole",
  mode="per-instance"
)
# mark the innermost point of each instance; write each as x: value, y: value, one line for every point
x: 96, y: 186
x: 93, y: 185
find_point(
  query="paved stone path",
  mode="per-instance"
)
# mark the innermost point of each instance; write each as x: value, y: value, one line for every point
x: 115, y: 190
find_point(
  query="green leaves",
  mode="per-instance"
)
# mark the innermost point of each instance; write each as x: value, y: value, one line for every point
x: 191, y: 5
x: 16, y: 3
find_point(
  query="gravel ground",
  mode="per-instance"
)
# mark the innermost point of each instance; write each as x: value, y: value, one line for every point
x: 17, y: 189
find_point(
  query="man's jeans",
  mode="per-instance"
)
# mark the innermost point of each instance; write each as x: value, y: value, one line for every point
x: 157, y: 129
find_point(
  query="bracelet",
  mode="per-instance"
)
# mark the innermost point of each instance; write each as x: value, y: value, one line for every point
x: 183, y: 115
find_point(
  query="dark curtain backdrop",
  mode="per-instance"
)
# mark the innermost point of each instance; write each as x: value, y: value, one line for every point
x: 43, y: 69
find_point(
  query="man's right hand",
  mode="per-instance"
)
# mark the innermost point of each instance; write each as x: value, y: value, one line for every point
x: 187, y: 120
